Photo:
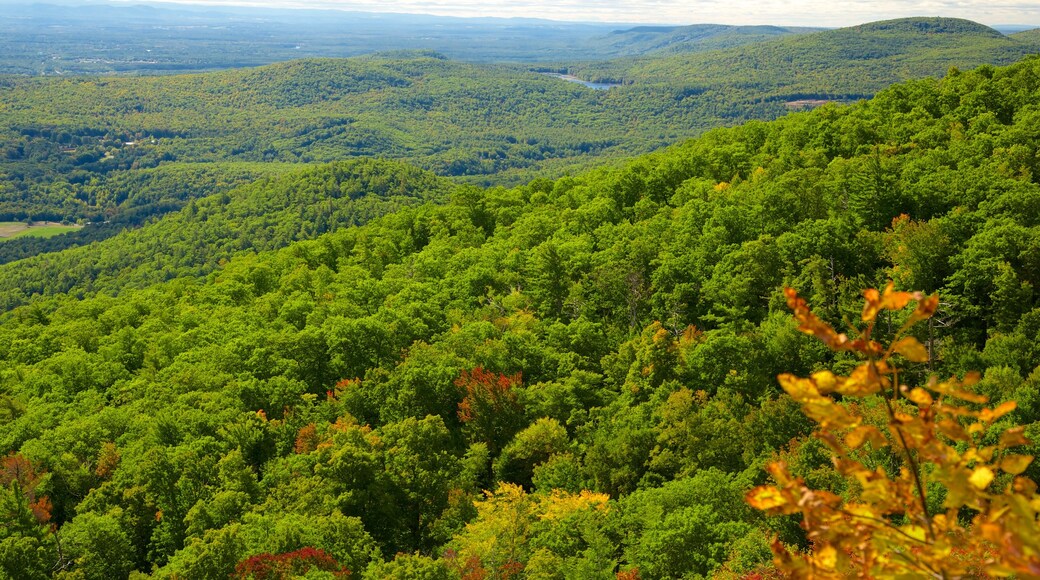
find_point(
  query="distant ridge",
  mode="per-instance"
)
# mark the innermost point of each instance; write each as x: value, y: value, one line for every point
x: 843, y: 64
x: 650, y: 29
x: 928, y: 25
x: 640, y: 40
x: 1015, y: 28
x: 1032, y: 35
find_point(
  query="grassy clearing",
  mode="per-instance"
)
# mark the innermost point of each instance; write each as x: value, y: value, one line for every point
x: 10, y: 230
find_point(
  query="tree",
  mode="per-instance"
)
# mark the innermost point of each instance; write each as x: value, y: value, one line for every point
x: 425, y: 477
x: 98, y: 546
x: 548, y: 280
x: 27, y: 550
x: 512, y: 527
x: 530, y: 448
x: 490, y: 409
x: 288, y: 565
x: 684, y: 527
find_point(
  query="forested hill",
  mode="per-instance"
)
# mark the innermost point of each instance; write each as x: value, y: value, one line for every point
x: 853, y: 61
x: 1028, y: 35
x: 267, y: 214
x: 597, y: 352
x: 67, y: 142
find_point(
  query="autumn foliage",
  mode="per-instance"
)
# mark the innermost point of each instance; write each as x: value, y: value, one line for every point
x: 288, y: 565
x: 19, y: 473
x: 490, y: 408
x: 306, y: 439
x: 984, y: 515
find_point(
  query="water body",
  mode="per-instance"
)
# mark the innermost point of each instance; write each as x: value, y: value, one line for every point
x: 591, y: 85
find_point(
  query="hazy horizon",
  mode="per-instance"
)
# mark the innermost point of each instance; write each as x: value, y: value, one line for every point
x: 669, y: 12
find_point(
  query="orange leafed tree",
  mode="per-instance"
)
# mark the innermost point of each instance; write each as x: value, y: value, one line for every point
x: 939, y: 431
x: 22, y: 476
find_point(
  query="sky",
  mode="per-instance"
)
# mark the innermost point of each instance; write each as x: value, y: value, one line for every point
x: 785, y: 12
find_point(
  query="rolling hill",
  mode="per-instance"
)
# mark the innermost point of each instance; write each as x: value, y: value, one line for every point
x: 266, y: 214
x: 855, y: 61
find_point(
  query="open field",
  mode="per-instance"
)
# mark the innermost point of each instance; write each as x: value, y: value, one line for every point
x: 36, y: 229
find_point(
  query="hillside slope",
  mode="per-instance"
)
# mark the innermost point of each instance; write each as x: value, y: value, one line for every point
x: 841, y: 63
x: 267, y: 214
x: 570, y: 377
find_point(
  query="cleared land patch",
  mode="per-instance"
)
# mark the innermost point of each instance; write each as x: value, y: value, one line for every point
x: 10, y: 230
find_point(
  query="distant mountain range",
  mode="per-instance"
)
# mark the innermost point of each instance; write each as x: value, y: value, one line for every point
x: 63, y: 38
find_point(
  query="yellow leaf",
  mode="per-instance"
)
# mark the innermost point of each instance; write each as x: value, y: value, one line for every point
x: 911, y: 348
x: 967, y: 396
x: 778, y: 469
x: 986, y: 453
x: 871, y: 304
x: 981, y: 478
x: 1013, y: 437
x: 825, y: 380
x: 800, y: 389
x: 809, y: 323
x: 992, y: 532
x: 860, y: 435
x: 1003, y: 409
x: 895, y: 300
x: 902, y: 417
x: 915, y: 532
x: 920, y: 396
x: 864, y: 380
x: 1015, y: 464
x: 971, y: 378
x: 1026, y: 487
x: 766, y: 498
x: 926, y: 307
x: 827, y: 557
x: 952, y: 429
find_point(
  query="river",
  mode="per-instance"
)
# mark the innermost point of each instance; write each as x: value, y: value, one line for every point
x: 591, y: 85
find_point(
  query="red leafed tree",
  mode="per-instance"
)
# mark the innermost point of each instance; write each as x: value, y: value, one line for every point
x: 288, y: 565
x: 490, y: 409
x: 16, y: 470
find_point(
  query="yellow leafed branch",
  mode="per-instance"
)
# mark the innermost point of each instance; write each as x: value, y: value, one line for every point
x: 938, y: 432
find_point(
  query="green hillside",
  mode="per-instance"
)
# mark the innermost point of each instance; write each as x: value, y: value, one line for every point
x: 841, y: 63
x: 264, y: 215
x: 569, y: 378
x: 1027, y: 36
x: 66, y: 139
